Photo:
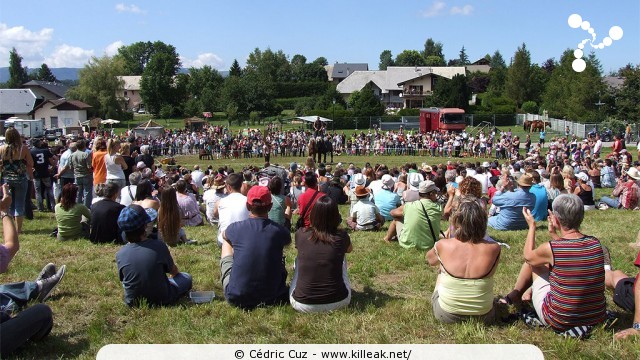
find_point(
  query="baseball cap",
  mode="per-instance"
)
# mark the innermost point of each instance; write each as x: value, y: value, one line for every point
x: 427, y: 186
x: 259, y: 193
x: 134, y: 217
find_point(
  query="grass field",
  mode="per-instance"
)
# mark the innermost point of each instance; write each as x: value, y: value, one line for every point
x: 391, y: 298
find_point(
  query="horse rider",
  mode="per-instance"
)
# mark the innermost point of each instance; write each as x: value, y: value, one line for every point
x: 318, y: 127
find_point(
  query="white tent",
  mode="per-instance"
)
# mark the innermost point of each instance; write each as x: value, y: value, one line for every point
x: 313, y: 118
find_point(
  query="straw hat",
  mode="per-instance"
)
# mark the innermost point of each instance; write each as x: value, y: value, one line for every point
x: 525, y: 180
x: 634, y: 173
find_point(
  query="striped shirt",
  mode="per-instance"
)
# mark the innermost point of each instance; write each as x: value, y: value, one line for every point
x: 628, y: 194
x: 576, y: 295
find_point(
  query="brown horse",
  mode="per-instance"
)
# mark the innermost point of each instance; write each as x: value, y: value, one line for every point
x: 527, y: 125
x: 537, y: 126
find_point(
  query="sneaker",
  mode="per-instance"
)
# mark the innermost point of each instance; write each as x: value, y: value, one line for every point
x: 50, y: 283
x: 190, y: 242
x: 47, y: 271
x: 607, y: 258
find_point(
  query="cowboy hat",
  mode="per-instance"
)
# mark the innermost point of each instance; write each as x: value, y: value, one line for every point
x: 361, y: 191
x: 525, y: 180
x: 634, y: 173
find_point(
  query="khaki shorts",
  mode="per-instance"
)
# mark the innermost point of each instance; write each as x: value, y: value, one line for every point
x: 539, y: 290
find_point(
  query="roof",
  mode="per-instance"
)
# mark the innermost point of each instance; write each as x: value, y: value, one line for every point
x: 131, y: 82
x: 359, y: 79
x: 614, y: 82
x: 194, y: 120
x: 55, y: 88
x: 313, y: 118
x: 481, y: 61
x: 17, y: 101
x: 148, y: 125
x: 64, y: 104
x: 341, y: 71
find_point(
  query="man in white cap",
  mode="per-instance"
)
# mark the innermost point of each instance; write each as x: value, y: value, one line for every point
x: 625, y: 194
x: 417, y: 224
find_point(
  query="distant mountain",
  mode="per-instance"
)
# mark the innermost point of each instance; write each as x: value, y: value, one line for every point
x: 72, y: 73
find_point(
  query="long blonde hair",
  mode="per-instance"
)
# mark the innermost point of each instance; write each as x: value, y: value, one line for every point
x: 112, y: 145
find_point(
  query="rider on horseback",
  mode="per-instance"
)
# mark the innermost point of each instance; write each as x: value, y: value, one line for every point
x: 318, y: 127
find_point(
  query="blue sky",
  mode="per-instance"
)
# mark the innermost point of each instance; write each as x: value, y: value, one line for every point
x: 66, y: 33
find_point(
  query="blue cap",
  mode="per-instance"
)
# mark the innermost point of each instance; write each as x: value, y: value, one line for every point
x: 135, y: 217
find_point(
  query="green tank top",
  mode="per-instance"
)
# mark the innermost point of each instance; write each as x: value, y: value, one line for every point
x: 277, y: 210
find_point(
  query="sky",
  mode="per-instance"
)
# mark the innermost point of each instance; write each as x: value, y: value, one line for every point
x: 67, y: 33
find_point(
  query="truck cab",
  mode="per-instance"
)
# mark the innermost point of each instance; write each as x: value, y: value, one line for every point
x: 442, y: 119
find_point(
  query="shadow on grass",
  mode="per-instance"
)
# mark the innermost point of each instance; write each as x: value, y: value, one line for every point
x: 361, y: 300
x: 66, y: 345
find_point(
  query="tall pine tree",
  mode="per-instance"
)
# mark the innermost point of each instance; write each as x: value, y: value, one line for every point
x: 18, y: 75
x: 45, y: 74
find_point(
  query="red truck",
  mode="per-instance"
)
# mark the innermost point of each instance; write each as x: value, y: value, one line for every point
x: 442, y: 119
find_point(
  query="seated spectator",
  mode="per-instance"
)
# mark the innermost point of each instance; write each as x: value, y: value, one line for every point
x: 251, y: 260
x: 387, y: 200
x: 128, y: 193
x: 625, y: 195
x: 626, y: 294
x: 336, y: 192
x: 364, y: 214
x: 556, y: 187
x: 511, y: 203
x: 233, y: 207
x: 417, y: 224
x: 104, y: 215
x: 584, y: 191
x: 309, y: 198
x: 214, y: 194
x: 566, y: 275
x: 144, y: 196
x: 357, y: 179
x: 469, y: 187
x: 144, y: 262
x: 35, y: 322
x: 189, y: 209
x: 69, y: 215
x: 320, y: 282
x: 296, y: 190
x: 411, y: 194
x: 542, y: 200
x: 401, y: 185
x: 281, y: 210
x: 467, y: 262
x: 170, y: 219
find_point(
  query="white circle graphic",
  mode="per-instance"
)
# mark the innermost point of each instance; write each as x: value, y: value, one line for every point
x: 585, y: 25
x: 578, y: 65
x: 575, y: 20
x: 607, y: 41
x: 615, y: 33
x: 578, y: 53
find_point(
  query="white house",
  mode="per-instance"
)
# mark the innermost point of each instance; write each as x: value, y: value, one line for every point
x: 130, y: 92
x: 61, y: 113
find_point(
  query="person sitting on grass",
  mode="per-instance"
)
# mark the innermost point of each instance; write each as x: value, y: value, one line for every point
x: 387, y: 200
x: 626, y: 193
x: 417, y: 224
x: 364, y: 214
x: 566, y: 275
x: 467, y: 262
x: 35, y: 322
x: 251, y: 259
x: 144, y: 262
x: 626, y: 294
x: 104, y: 215
x: 69, y: 215
x: 320, y: 282
x: 511, y: 203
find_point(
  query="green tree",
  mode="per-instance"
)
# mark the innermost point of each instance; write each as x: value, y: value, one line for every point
x: 451, y: 93
x: 98, y: 84
x: 518, y: 76
x: 463, y: 58
x: 321, y: 60
x: 206, y: 84
x: 137, y: 55
x: 274, y: 65
x: 432, y: 48
x: 410, y: 58
x: 45, y: 74
x: 386, y: 60
x: 157, y: 85
x: 366, y: 103
x: 235, y: 69
x: 497, y: 61
x: 628, y: 98
x: 434, y: 61
x: 18, y: 75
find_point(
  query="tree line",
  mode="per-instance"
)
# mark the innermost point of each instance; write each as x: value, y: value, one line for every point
x: 270, y: 82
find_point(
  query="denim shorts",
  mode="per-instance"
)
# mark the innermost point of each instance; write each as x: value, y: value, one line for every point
x: 18, y: 190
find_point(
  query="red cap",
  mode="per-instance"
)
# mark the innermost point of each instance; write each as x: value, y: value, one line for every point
x: 259, y: 193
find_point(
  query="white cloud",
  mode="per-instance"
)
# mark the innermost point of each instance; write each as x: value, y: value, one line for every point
x: 134, y: 9
x: 435, y: 9
x: 29, y: 44
x: 210, y: 59
x: 68, y: 56
x: 464, y: 10
x: 112, y: 48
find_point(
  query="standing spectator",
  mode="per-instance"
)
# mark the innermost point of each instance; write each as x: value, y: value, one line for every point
x: 42, y: 160
x: 98, y: 161
x: 251, y: 260
x: 69, y: 215
x: 144, y: 262
x: 17, y: 169
x: 125, y: 152
x: 81, y: 164
x: 115, y: 164
x: 104, y: 215
x: 232, y: 208
x: 320, y: 282
x: 65, y: 170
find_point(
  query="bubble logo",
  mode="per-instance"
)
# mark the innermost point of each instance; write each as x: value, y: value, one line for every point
x: 575, y: 21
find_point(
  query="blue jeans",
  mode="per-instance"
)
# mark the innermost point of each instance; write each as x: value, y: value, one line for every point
x: 85, y: 190
x: 183, y: 282
x: 16, y: 295
x: 19, y: 190
x: 44, y: 186
x: 613, y: 203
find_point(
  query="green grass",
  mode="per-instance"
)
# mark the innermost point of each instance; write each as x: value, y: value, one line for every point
x: 391, y: 299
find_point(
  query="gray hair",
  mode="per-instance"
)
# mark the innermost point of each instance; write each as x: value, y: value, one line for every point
x: 135, y: 177
x: 569, y: 210
x: 146, y: 173
x: 450, y: 175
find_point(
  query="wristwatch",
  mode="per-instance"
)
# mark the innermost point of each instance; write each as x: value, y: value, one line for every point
x: 636, y: 326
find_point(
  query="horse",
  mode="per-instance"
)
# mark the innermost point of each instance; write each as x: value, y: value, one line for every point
x: 537, y: 126
x: 317, y: 148
x: 527, y: 125
x: 328, y: 145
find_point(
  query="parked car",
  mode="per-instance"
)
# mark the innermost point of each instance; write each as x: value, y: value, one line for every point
x: 52, y: 134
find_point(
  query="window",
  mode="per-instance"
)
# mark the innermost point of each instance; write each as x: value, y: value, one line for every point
x: 54, y: 122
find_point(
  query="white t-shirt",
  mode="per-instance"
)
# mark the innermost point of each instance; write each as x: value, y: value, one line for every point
x: 127, y: 194
x: 375, y: 186
x: 365, y: 212
x: 231, y: 209
x: 197, y: 176
x: 210, y: 198
x: 484, y: 181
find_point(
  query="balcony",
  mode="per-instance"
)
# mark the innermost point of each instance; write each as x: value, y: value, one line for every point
x: 413, y: 93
